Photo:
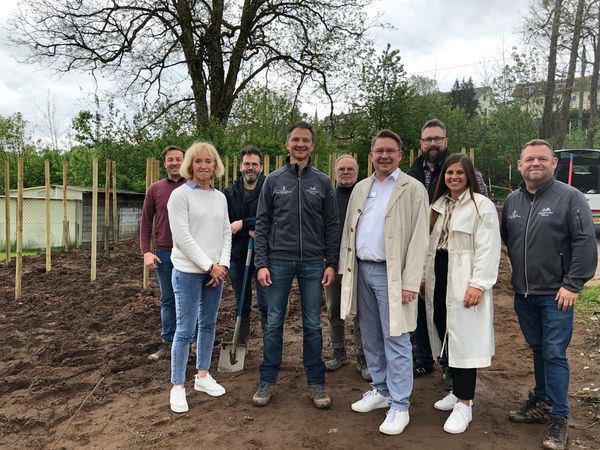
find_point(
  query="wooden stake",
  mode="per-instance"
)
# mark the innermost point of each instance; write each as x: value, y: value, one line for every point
x: 19, y: 265
x: 114, y: 203
x: 7, y: 209
x: 94, y: 217
x: 226, y: 170
x: 369, y: 166
x: 106, y: 206
x: 47, y: 204
x: 148, y: 182
x: 65, y: 208
x: 412, y: 156
x: 266, y: 168
x: 472, y: 155
x: 235, y: 168
x: 463, y: 150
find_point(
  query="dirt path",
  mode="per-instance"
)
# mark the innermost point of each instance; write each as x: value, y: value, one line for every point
x: 66, y: 334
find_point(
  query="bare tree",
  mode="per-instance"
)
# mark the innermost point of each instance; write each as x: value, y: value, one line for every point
x: 593, y: 122
x: 547, y: 116
x: 563, y: 118
x: 195, y: 52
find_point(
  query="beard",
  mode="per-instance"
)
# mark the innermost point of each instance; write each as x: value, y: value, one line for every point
x: 439, y: 157
x: 250, y: 178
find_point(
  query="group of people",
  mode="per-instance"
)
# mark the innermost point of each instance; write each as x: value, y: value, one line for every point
x: 406, y: 255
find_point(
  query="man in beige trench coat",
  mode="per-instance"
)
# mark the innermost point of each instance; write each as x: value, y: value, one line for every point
x: 382, y: 255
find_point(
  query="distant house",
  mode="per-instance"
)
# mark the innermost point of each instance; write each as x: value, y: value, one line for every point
x: 484, y: 97
x: 531, y: 96
x: 79, y: 215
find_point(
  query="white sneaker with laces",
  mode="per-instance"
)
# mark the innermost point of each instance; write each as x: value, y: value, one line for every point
x: 209, y: 385
x: 395, y: 421
x: 448, y: 402
x: 370, y: 401
x: 177, y: 400
x: 459, y: 419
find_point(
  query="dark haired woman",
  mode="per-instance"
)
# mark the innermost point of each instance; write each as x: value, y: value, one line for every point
x: 461, y: 269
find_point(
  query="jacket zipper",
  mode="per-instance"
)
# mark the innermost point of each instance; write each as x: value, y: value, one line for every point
x: 298, y: 174
x: 525, y: 246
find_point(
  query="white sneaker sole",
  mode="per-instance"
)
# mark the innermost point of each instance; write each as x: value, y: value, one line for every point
x: 179, y: 408
x: 363, y: 409
x: 212, y: 393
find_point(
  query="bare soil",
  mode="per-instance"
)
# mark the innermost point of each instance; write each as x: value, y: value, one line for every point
x: 74, y: 373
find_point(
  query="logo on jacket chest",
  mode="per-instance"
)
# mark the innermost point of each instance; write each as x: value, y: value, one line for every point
x: 313, y: 190
x: 283, y: 190
x: 513, y: 215
x: 546, y: 212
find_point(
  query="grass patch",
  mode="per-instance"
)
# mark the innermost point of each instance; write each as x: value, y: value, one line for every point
x: 587, y: 300
x: 13, y: 254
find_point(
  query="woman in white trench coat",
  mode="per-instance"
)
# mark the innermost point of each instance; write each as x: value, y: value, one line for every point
x: 461, y: 269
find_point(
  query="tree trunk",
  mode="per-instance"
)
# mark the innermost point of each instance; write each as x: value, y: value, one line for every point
x: 581, y: 89
x: 563, y: 118
x: 593, y: 123
x: 547, y: 116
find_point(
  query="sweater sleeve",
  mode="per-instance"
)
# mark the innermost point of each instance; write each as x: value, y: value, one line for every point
x: 148, y: 211
x: 225, y: 256
x: 179, y: 220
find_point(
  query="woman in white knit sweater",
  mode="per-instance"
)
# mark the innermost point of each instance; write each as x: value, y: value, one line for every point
x: 201, y: 250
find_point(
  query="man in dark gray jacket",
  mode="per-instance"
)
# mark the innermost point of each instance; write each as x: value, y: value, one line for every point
x: 548, y: 230
x: 296, y: 235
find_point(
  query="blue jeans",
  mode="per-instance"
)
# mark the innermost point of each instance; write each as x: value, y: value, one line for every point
x: 167, y: 299
x: 548, y: 331
x: 196, y: 305
x: 309, y: 275
x: 236, y: 275
x: 389, y: 358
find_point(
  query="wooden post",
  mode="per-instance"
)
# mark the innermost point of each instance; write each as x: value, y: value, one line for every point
x: 114, y: 203
x: 316, y: 161
x: 106, y: 206
x: 148, y: 182
x: 472, y: 155
x: 463, y: 150
x: 65, y: 208
x: 412, y: 156
x: 7, y: 209
x: 266, y: 166
x: 94, y: 218
x: 369, y: 166
x: 19, y: 258
x: 226, y: 170
x: 235, y: 168
x: 47, y: 204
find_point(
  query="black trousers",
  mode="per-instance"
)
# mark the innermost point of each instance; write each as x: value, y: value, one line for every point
x: 464, y: 379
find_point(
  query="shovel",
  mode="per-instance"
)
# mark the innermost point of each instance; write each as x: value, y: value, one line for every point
x: 233, y: 355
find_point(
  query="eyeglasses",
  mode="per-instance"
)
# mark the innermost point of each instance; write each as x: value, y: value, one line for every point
x: 248, y: 165
x: 436, y: 139
x: 379, y: 153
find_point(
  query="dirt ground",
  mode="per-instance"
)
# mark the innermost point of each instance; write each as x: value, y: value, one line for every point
x: 74, y: 373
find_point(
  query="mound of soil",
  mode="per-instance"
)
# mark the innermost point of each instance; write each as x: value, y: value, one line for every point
x: 75, y: 374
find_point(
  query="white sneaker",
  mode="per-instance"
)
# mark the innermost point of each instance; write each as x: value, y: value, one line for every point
x: 177, y: 400
x: 395, y: 421
x: 459, y: 419
x: 371, y: 400
x: 208, y: 385
x: 448, y: 402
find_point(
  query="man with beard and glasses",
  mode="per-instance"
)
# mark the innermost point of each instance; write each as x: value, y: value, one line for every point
x: 427, y: 168
x: 242, y: 201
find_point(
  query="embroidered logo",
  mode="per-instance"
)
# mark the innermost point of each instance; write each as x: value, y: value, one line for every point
x: 546, y: 212
x: 513, y: 215
x: 283, y: 190
x: 313, y: 190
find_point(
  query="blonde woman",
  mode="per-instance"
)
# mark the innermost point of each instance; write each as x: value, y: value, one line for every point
x: 461, y: 269
x: 201, y: 250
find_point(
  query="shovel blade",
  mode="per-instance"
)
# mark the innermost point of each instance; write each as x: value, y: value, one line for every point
x: 232, y: 359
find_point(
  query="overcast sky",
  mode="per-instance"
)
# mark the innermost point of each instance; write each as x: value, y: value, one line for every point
x: 439, y: 39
